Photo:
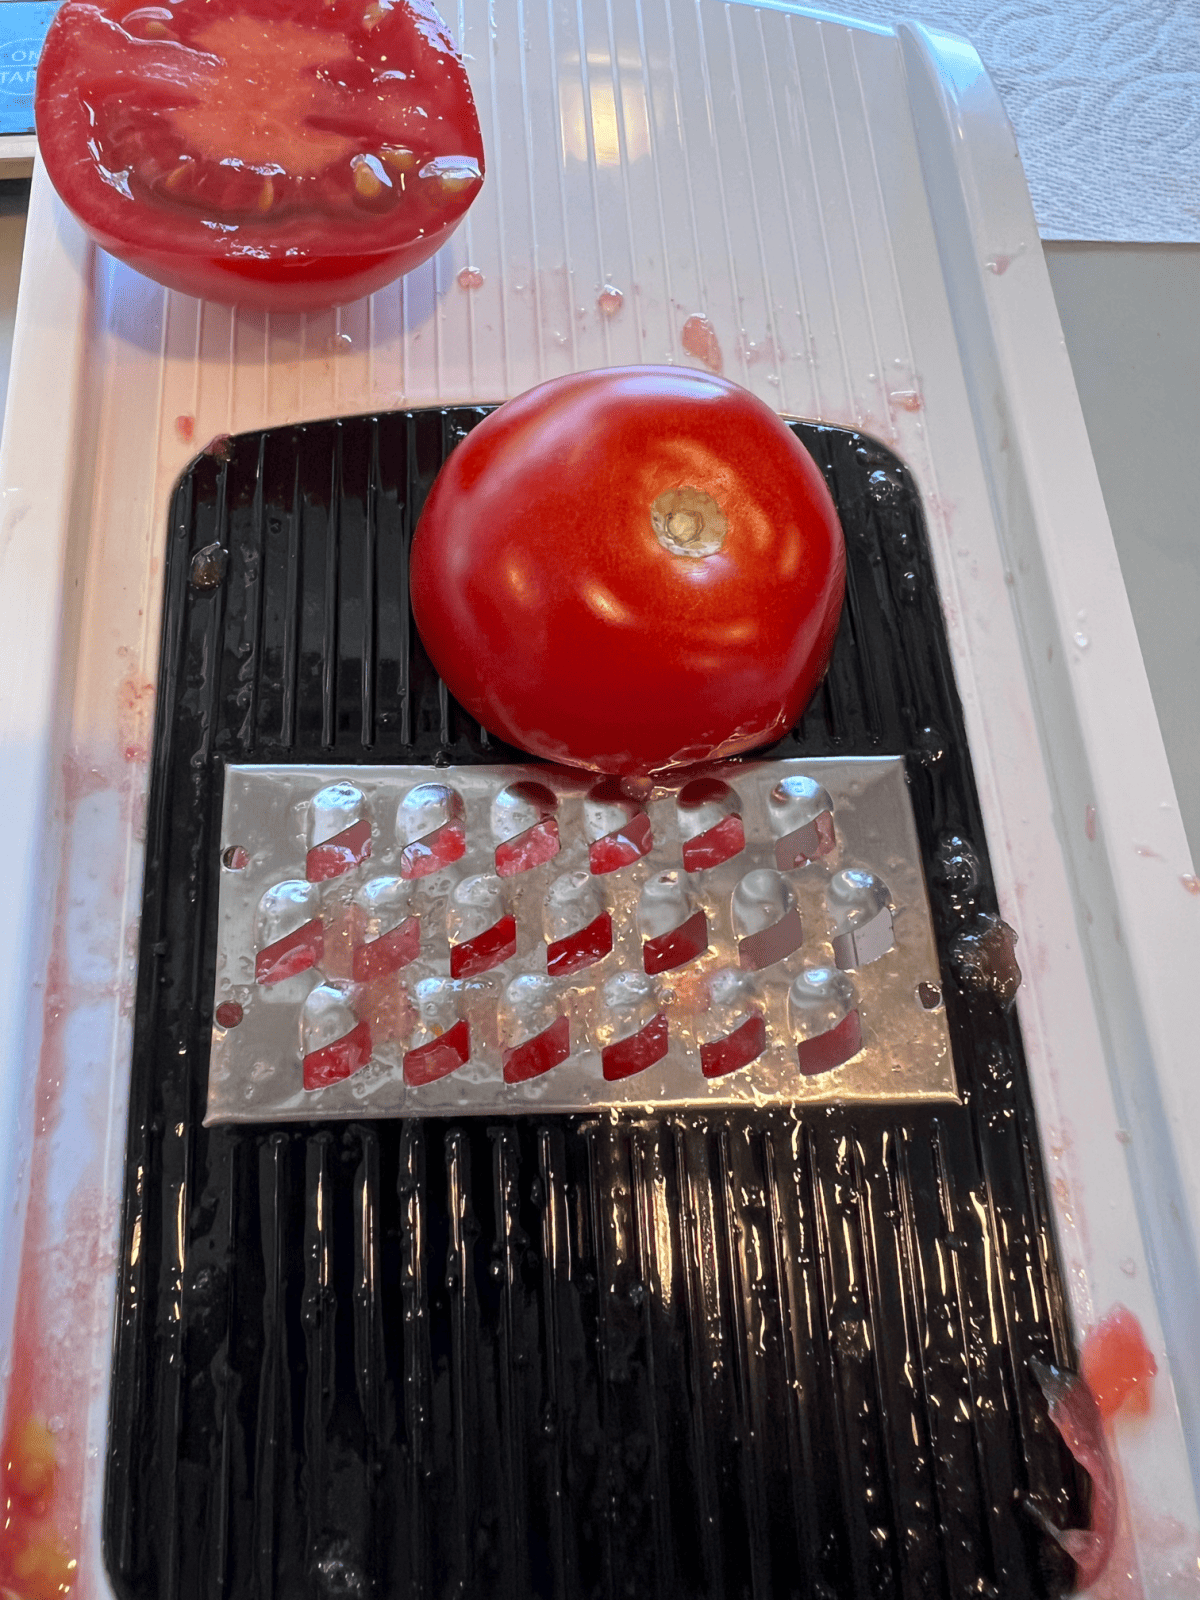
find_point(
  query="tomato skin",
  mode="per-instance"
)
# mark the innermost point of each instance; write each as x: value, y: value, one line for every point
x: 559, y: 619
x: 122, y: 94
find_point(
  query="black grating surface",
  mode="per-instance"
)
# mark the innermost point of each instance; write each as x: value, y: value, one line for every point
x: 735, y: 1354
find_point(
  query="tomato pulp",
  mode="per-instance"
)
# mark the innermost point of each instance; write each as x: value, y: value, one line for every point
x: 631, y: 570
x: 270, y: 153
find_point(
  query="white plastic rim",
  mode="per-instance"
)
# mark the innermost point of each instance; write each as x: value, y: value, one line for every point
x: 845, y: 210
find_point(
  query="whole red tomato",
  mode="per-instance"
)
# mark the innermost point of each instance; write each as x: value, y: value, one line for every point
x: 284, y: 154
x: 630, y: 570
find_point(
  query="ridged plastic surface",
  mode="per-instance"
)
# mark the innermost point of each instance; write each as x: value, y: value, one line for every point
x: 745, y: 1353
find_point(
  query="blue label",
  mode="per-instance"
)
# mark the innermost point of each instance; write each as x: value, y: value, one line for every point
x: 23, y: 25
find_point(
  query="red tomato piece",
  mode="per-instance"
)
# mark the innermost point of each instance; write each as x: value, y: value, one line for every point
x: 269, y: 153
x: 815, y: 838
x: 1117, y: 1363
x: 389, y: 953
x: 829, y: 1050
x: 582, y: 949
x: 676, y: 947
x: 528, y: 850
x: 341, y: 854
x: 622, y: 848
x: 721, y: 842
x: 539, y: 1054
x: 439, y: 1057
x: 631, y: 570
x: 441, y: 848
x: 1074, y: 1412
x: 339, y: 1060
x: 31, y: 1461
x: 641, y: 1050
x: 294, y: 953
x: 485, y: 951
x: 737, y: 1049
x: 43, y: 1568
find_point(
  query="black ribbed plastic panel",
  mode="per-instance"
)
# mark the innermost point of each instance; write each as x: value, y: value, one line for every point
x: 745, y: 1354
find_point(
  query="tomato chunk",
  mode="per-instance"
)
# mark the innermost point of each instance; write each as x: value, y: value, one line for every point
x: 736, y: 1050
x: 829, y: 1050
x: 294, y: 953
x: 389, y: 953
x: 487, y: 950
x: 1117, y: 1363
x: 625, y: 1057
x: 719, y: 843
x: 582, y: 949
x: 269, y: 153
x: 539, y: 1054
x: 437, y: 1057
x: 342, y: 853
x: 678, y: 947
x: 341, y: 1059
x: 530, y: 849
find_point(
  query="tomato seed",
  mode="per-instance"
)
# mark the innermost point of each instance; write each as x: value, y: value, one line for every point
x: 369, y: 177
x: 266, y: 195
x: 154, y: 21
x: 398, y: 158
x: 455, y: 174
x: 174, y: 179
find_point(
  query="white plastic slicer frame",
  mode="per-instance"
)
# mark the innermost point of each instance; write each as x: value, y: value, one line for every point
x: 846, y: 206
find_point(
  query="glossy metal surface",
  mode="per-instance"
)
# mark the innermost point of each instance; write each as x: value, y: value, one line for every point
x: 850, y: 895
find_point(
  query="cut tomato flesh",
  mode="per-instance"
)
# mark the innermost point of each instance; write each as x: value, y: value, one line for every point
x: 678, y: 947
x: 736, y: 1050
x: 721, y: 842
x: 620, y: 848
x: 1117, y: 1363
x: 293, y: 954
x: 439, y: 1057
x: 829, y: 1050
x: 640, y: 1050
x: 339, y: 1060
x: 267, y: 152
x: 342, y: 853
x: 487, y: 950
x: 441, y: 848
x: 582, y: 949
x: 389, y: 953
x: 539, y: 1054
x: 263, y: 91
x: 528, y: 850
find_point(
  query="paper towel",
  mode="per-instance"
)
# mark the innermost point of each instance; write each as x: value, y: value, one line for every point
x: 1104, y: 96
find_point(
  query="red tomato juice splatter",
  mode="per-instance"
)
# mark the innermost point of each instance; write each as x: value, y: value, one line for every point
x: 41, y: 1472
x: 699, y: 339
x: 65, y: 1270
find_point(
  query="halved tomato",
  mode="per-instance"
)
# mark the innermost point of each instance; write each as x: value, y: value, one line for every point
x: 283, y: 154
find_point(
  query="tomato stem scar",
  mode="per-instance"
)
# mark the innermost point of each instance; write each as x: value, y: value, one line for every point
x: 688, y: 522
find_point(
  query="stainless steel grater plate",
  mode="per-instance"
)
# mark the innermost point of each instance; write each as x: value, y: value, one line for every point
x: 413, y: 940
